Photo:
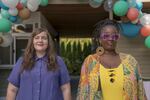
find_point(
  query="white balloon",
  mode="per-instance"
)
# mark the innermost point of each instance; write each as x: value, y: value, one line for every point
x: 145, y: 19
x: 33, y: 5
x: 10, y: 3
x: 108, y: 5
x: 95, y: 3
x: 7, y: 40
x: 13, y: 11
x: 39, y: 1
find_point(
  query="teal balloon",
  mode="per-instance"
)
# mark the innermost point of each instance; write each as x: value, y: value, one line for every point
x: 1, y: 16
x: 147, y: 42
x: 5, y: 25
x: 130, y: 30
x: 98, y: 1
x: 95, y: 3
x: 44, y: 2
x: 13, y: 18
x: 120, y: 8
x: 140, y: 14
x: 131, y: 3
x: 3, y: 6
x: 139, y: 5
x: 5, y: 13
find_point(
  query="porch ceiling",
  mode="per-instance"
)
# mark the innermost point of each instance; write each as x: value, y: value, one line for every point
x: 76, y: 18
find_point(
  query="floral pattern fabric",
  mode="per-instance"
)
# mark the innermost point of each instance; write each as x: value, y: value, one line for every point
x: 132, y: 85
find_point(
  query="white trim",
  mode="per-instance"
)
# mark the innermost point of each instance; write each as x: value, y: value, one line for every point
x: 145, y: 0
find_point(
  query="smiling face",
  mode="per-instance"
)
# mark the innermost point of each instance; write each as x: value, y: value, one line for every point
x: 108, y: 37
x: 40, y: 43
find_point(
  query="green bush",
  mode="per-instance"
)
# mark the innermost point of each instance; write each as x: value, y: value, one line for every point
x: 73, y: 52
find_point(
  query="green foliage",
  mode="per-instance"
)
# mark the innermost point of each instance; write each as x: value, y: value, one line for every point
x: 73, y: 52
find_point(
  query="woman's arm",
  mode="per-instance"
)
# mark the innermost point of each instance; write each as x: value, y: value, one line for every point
x: 66, y: 90
x: 83, y: 86
x: 11, y: 92
x: 141, y: 90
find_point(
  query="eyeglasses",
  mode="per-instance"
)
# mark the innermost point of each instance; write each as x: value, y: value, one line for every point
x: 106, y: 36
x: 111, y: 75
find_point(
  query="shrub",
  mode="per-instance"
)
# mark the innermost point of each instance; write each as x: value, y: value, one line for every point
x: 73, y: 52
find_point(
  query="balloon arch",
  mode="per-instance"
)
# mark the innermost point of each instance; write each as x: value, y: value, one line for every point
x: 134, y: 21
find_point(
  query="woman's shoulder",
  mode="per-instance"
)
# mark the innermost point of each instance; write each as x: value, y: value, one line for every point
x: 91, y: 60
x: 91, y: 63
x: 20, y: 59
x: 92, y: 57
x: 59, y: 58
x: 128, y: 58
x: 125, y: 55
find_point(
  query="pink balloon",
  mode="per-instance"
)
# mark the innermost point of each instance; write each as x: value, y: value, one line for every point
x: 19, y: 6
x: 24, y: 13
x: 132, y: 14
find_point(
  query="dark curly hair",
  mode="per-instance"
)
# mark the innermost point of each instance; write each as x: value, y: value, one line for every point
x: 97, y: 31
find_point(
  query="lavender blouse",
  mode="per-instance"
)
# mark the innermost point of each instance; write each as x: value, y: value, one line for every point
x: 39, y: 83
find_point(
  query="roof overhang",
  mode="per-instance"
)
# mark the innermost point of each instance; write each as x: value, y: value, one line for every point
x: 77, y: 1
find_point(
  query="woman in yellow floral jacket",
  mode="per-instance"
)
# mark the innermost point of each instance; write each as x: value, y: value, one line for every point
x: 108, y: 75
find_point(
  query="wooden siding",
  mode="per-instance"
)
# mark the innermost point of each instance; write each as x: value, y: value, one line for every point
x: 136, y: 48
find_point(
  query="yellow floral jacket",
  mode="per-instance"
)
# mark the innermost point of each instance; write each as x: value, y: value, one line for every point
x: 88, y: 85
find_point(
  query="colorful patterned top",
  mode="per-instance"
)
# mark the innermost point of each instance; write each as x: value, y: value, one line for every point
x: 132, y: 85
x: 112, y: 82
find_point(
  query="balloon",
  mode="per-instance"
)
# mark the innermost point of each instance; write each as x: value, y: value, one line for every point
x: 10, y: 3
x: 5, y: 25
x: 135, y: 21
x: 13, y: 18
x: 108, y: 5
x: 24, y: 13
x: 0, y: 16
x: 120, y: 8
x: 131, y: 3
x: 132, y: 14
x: 139, y: 5
x: 5, y: 13
x: 145, y: 19
x: 145, y: 30
x: 147, y: 42
x: 19, y: 6
x: 13, y: 11
x: 24, y: 2
x: 130, y: 30
x: 7, y: 40
x: 140, y: 14
x: 95, y: 3
x: 39, y: 1
x: 3, y: 6
x: 33, y: 5
x: 45, y: 2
